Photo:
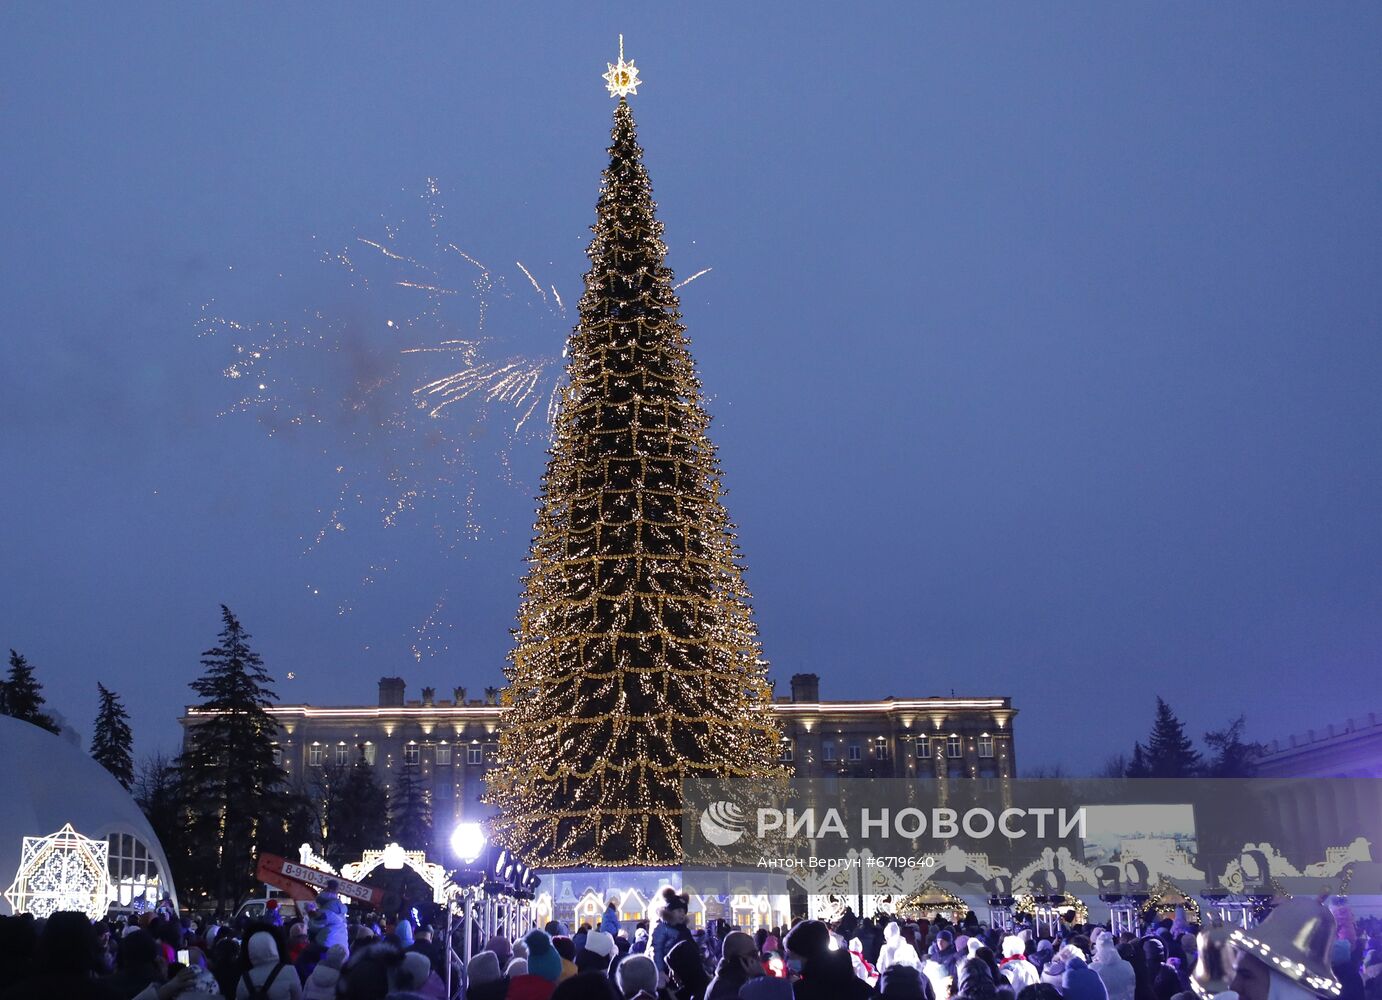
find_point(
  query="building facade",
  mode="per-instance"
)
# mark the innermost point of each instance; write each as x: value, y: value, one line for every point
x: 453, y: 742
x: 1350, y: 750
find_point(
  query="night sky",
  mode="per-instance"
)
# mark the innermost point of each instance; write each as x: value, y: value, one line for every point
x: 1042, y: 341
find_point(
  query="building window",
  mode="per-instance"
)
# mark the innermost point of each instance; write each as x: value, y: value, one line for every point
x: 315, y: 753
x: 880, y: 747
x: 443, y: 753
x: 828, y: 750
x: 985, y: 745
x: 133, y: 871
x: 474, y: 754
x: 786, y: 750
x: 278, y: 755
x: 954, y: 746
x: 855, y: 753
x: 342, y: 754
x: 410, y: 754
x: 491, y: 751
x: 370, y: 751
x: 923, y: 747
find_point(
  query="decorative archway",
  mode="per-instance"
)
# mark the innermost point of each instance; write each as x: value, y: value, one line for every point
x: 394, y: 858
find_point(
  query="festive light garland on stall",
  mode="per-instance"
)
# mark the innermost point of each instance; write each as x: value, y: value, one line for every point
x: 1026, y: 906
x: 1157, y: 901
x: 924, y: 901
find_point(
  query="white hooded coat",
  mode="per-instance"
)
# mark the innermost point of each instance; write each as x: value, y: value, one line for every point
x: 1114, y: 971
x: 1015, y: 967
x: 263, y: 953
x: 896, y: 950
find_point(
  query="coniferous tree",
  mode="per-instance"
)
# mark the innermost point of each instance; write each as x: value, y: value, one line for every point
x: 410, y: 812
x: 637, y: 662
x: 1233, y: 757
x: 1137, y: 765
x: 1170, y: 753
x: 23, y: 695
x: 112, y: 741
x: 231, y: 784
x: 360, y: 820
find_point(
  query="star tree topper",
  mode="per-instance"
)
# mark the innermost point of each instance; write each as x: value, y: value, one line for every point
x: 622, y: 77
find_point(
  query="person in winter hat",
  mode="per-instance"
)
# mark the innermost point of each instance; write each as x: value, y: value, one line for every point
x: 825, y: 974
x: 566, y: 948
x: 544, y: 969
x: 671, y: 926
x: 636, y: 977
x: 1053, y: 972
x: 321, y: 984
x: 896, y: 950
x: 484, y: 978
x: 326, y: 921
x: 267, y: 974
x: 595, y: 955
x: 1164, y: 981
x: 976, y: 980
x: 902, y: 982
x: 942, y: 952
x: 863, y: 968
x: 1015, y: 967
x: 738, y: 964
x: 503, y: 950
x: 1080, y: 982
x: 686, y: 978
x: 1117, y: 975
x: 408, y: 979
x: 516, y: 967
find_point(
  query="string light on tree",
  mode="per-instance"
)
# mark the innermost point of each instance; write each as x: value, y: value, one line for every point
x: 637, y: 663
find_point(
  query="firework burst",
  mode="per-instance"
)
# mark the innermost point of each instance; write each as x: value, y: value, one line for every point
x: 432, y: 378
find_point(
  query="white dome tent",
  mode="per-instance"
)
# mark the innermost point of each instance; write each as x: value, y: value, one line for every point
x: 48, y: 784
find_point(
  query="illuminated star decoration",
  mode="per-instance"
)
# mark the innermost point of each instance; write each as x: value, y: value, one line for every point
x: 622, y: 78
x: 63, y: 871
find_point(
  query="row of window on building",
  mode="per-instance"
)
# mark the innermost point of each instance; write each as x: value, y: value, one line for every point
x: 922, y: 748
x: 318, y: 754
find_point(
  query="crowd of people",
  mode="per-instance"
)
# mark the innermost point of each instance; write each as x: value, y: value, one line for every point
x: 325, y: 953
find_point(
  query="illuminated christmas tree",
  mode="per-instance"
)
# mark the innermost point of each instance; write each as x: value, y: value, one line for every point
x: 637, y: 662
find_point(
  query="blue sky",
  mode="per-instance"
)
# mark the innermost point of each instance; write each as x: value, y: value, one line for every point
x: 1041, y: 341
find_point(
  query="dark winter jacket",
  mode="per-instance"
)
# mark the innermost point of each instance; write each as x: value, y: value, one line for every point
x: 729, y: 976
x: 902, y: 982
x: 664, y: 937
x: 830, y: 976
x: 49, y: 986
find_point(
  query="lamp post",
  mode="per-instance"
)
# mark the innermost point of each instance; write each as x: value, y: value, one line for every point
x: 467, y: 843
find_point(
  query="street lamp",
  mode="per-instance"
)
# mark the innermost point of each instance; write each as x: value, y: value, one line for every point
x: 468, y: 841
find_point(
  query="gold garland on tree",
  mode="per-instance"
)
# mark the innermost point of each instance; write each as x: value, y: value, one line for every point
x: 636, y: 664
